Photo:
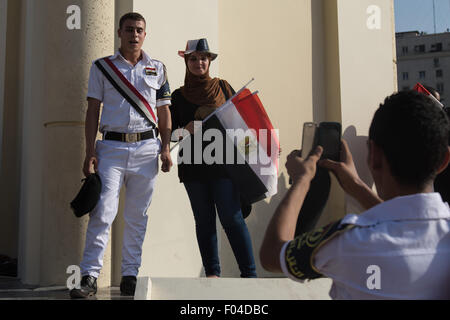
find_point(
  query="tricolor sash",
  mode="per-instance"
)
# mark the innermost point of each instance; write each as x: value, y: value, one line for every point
x: 126, y: 89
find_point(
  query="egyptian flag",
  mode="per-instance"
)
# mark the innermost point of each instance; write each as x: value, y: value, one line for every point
x: 252, y: 145
x: 420, y: 88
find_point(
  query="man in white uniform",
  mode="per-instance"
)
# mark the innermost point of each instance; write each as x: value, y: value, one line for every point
x: 128, y: 153
x: 400, y: 247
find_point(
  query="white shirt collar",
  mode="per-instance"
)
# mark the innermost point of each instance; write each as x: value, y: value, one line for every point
x: 422, y: 206
x: 146, y: 59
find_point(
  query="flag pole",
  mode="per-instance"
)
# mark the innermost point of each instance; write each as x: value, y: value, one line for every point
x: 429, y: 94
x: 436, y: 100
x: 209, y: 116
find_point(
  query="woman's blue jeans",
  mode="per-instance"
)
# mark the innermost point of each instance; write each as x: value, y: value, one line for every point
x: 205, y: 197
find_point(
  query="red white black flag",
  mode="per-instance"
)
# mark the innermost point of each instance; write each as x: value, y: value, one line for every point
x: 247, y: 128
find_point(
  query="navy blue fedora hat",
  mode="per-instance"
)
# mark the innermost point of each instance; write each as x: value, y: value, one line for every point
x: 199, y: 45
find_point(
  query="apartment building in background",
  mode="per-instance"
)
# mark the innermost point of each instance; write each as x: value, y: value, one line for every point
x: 424, y: 58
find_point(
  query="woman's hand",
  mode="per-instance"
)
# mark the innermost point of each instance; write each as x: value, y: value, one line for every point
x: 190, y: 127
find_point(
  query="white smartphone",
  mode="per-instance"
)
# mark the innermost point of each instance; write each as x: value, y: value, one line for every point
x: 308, y: 138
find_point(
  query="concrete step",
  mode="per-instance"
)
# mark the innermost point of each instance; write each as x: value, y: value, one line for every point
x: 230, y: 289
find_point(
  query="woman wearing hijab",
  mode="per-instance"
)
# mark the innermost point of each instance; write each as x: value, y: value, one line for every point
x: 208, y: 185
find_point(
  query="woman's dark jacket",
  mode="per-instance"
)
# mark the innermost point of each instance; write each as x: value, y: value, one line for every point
x: 182, y: 112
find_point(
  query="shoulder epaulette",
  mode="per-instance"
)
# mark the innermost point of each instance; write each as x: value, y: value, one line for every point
x: 299, y: 255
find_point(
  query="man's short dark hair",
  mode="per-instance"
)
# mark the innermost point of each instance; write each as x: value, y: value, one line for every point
x: 413, y: 133
x: 131, y: 16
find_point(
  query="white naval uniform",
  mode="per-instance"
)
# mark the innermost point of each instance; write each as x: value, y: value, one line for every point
x: 405, y: 242
x: 134, y: 165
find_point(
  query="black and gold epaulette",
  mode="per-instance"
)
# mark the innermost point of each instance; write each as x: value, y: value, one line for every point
x: 299, y: 255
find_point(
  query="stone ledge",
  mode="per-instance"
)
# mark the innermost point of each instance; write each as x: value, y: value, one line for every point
x: 230, y: 289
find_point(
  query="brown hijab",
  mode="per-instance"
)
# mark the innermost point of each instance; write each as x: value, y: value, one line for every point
x: 205, y: 92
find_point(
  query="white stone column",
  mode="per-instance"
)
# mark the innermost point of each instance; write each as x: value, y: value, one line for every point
x: 55, y: 75
x: 271, y: 42
x: 359, y: 41
x: 121, y: 7
x: 8, y: 225
x: 3, y: 20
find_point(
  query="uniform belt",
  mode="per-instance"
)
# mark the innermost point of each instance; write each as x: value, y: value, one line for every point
x: 131, y: 137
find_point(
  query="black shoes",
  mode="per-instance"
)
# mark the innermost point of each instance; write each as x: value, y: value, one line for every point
x: 128, y: 286
x: 88, y: 288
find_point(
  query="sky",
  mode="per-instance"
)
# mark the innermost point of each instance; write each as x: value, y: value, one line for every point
x: 412, y: 15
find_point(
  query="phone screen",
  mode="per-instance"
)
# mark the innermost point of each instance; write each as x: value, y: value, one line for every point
x: 309, y: 138
x: 329, y: 137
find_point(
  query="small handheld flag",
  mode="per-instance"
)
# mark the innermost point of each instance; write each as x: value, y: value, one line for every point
x: 420, y: 88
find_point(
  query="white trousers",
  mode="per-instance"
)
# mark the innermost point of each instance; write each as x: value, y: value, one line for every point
x: 134, y: 165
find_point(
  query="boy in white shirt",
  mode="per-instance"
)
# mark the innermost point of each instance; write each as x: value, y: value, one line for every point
x: 403, y: 237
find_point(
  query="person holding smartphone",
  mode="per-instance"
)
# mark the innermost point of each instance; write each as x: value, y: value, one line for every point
x: 399, y: 248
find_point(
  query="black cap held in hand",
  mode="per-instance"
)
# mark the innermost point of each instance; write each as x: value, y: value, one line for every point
x: 88, y: 196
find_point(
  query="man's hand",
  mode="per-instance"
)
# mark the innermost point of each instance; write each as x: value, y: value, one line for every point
x: 90, y: 165
x: 297, y: 167
x: 165, y: 129
x: 345, y: 172
x: 166, y: 160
